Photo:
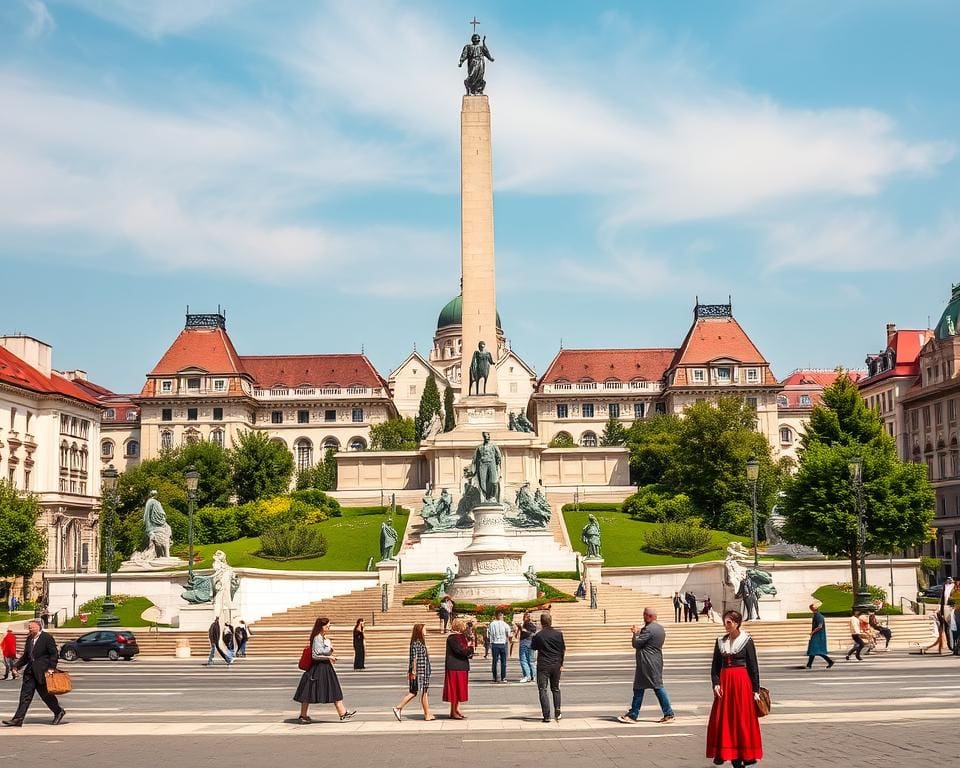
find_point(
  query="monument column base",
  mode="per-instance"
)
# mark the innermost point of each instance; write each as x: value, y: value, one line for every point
x: 481, y: 413
x: 592, y: 570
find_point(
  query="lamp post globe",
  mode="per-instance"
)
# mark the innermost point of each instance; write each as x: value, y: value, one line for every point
x: 108, y: 489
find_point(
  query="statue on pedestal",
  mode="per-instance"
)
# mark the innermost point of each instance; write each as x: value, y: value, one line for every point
x: 480, y: 368
x: 474, y: 54
x: 219, y: 587
x: 157, y: 534
x: 487, y: 460
x: 531, y: 513
x: 590, y: 535
x: 388, y: 540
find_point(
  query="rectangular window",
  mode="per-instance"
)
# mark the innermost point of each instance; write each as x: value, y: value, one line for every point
x: 942, y: 465
x: 193, y: 384
x: 219, y: 385
x: 276, y: 417
x: 614, y: 410
x: 723, y: 375
x: 303, y: 417
x: 587, y: 410
x: 166, y: 414
x: 926, y: 417
x: 638, y: 409
x: 914, y: 420
x: 357, y: 415
x: 166, y: 386
x: 561, y: 410
x: 952, y: 410
x: 191, y: 414
x: 513, y: 387
x: 938, y: 413
x: 699, y: 374
x: 217, y: 437
x: 752, y: 402
x: 329, y: 415
x: 218, y: 414
x: 753, y: 375
x: 413, y: 389
x: 804, y: 399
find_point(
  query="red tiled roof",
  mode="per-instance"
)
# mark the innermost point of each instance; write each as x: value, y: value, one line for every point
x: 712, y: 338
x: 17, y: 373
x: 906, y: 345
x: 318, y: 370
x: 817, y: 377
x: 602, y: 364
x: 207, y: 348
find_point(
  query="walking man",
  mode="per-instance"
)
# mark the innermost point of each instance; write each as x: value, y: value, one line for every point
x: 692, y: 607
x: 677, y: 606
x: 857, y: 637
x: 39, y: 655
x: 214, y: 634
x: 9, y: 650
x: 550, y: 648
x: 648, y: 643
x: 498, y: 632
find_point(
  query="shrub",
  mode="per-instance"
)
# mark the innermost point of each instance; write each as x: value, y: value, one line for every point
x: 679, y: 539
x: 292, y: 542
x: 736, y: 517
x: 317, y: 498
x: 563, y: 440
x: 213, y: 525
x: 656, y: 504
x: 877, y: 594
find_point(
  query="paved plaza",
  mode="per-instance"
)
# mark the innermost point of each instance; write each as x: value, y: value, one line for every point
x: 891, y: 709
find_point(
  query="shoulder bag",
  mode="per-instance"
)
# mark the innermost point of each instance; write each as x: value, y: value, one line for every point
x: 764, y: 703
x: 306, y: 659
x: 58, y: 682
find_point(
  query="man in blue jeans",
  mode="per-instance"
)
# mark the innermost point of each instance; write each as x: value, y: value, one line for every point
x: 498, y: 633
x: 648, y: 643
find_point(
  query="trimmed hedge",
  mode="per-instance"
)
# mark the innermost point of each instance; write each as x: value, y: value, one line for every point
x: 679, y: 539
x: 296, y: 541
x: 593, y: 506
x: 545, y: 596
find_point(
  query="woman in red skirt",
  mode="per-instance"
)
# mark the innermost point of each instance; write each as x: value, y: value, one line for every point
x: 456, y: 671
x: 733, y: 732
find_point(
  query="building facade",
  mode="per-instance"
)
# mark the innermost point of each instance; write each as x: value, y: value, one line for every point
x: 49, y: 437
x: 802, y: 392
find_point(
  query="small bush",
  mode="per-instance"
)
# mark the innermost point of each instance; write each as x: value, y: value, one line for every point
x: 319, y: 500
x: 292, y: 542
x: 679, y: 539
x: 877, y: 594
x: 656, y: 504
x: 213, y: 525
x: 563, y: 440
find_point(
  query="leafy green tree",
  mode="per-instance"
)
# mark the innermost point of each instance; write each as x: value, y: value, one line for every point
x: 394, y: 435
x: 449, y: 420
x: 430, y: 406
x: 213, y: 463
x: 261, y: 467
x: 652, y: 443
x: 820, y: 505
x: 614, y: 433
x: 22, y: 547
x: 563, y: 440
x: 322, y: 475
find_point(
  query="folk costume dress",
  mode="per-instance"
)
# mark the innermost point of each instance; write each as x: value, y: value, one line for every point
x: 733, y: 731
x: 319, y: 684
x: 456, y: 674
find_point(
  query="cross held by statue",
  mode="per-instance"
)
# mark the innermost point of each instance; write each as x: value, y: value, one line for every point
x: 474, y: 23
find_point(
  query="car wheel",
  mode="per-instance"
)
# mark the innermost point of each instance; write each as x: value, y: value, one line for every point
x: 69, y: 655
x: 112, y: 655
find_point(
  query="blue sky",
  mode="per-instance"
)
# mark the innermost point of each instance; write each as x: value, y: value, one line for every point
x: 297, y: 163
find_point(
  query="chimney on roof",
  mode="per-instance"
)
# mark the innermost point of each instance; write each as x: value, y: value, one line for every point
x: 33, y: 352
x: 891, y: 329
x: 76, y: 375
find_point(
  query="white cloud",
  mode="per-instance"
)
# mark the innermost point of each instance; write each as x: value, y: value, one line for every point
x: 41, y: 20
x: 160, y: 18
x: 860, y: 240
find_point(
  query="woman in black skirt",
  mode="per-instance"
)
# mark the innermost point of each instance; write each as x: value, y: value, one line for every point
x: 359, y: 645
x: 319, y: 684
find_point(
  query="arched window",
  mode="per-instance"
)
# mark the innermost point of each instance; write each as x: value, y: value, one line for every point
x: 588, y: 440
x: 106, y: 449
x: 133, y: 448
x: 109, y: 415
x: 786, y: 435
x: 331, y: 442
x: 303, y: 450
x: 166, y: 440
x: 191, y: 437
x: 216, y: 437
x: 358, y: 444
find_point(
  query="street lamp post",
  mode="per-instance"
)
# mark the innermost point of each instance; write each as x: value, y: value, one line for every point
x: 863, y: 601
x: 108, y: 487
x: 753, y: 473
x: 193, y: 479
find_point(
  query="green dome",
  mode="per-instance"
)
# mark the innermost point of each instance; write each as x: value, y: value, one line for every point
x: 452, y: 314
x: 950, y: 319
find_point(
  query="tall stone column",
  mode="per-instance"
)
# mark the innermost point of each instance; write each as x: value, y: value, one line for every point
x: 476, y: 237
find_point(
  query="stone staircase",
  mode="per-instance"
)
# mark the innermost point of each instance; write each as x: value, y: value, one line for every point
x: 344, y: 610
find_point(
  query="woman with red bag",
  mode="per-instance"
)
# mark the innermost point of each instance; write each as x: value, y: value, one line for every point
x: 319, y: 683
x: 733, y: 731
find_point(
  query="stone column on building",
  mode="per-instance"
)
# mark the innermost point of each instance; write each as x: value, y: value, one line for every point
x: 476, y: 237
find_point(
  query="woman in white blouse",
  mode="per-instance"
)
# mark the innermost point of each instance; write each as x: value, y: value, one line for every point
x: 319, y: 684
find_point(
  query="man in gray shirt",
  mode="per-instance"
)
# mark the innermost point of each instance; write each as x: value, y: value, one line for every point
x: 648, y: 643
x: 498, y: 634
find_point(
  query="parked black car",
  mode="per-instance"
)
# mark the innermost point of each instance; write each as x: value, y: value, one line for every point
x: 935, y: 591
x: 101, y: 644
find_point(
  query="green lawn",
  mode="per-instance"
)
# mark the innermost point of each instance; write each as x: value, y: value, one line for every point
x: 128, y: 613
x: 622, y: 538
x: 351, y: 541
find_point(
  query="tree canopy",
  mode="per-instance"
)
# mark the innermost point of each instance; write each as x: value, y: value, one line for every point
x: 430, y: 406
x: 614, y: 433
x: 22, y: 546
x: 394, y: 435
x: 261, y: 466
x: 449, y: 420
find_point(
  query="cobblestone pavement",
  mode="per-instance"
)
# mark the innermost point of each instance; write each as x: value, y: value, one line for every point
x: 887, y: 710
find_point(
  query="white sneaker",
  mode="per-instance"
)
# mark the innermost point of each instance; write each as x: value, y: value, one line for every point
x: 524, y: 679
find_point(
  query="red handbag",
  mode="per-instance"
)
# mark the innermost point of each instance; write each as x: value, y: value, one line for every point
x: 306, y: 659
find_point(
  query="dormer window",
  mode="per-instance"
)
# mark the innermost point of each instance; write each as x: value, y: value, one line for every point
x: 699, y: 375
x: 723, y: 375
x: 219, y: 385
x: 193, y: 384
x: 166, y: 386
x: 753, y: 375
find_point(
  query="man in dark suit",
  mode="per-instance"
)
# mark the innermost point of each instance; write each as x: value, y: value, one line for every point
x: 39, y: 655
x: 678, y: 606
x: 548, y: 643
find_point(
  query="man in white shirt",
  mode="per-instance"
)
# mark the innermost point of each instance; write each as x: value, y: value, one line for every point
x: 498, y: 633
x: 855, y: 634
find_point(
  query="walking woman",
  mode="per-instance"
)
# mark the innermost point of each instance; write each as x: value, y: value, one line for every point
x: 733, y: 731
x: 319, y: 684
x: 456, y: 668
x: 817, y: 645
x: 418, y: 673
x: 526, y: 630
x: 359, y: 645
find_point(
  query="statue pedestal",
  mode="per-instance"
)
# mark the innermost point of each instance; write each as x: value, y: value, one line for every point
x: 196, y: 618
x: 157, y: 564
x: 592, y: 570
x: 387, y: 571
x: 771, y: 608
x: 481, y: 413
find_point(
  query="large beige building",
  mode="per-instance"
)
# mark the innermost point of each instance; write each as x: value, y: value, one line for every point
x: 49, y: 436
x: 802, y: 392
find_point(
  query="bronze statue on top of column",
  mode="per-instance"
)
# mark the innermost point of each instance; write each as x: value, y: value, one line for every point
x: 474, y: 54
